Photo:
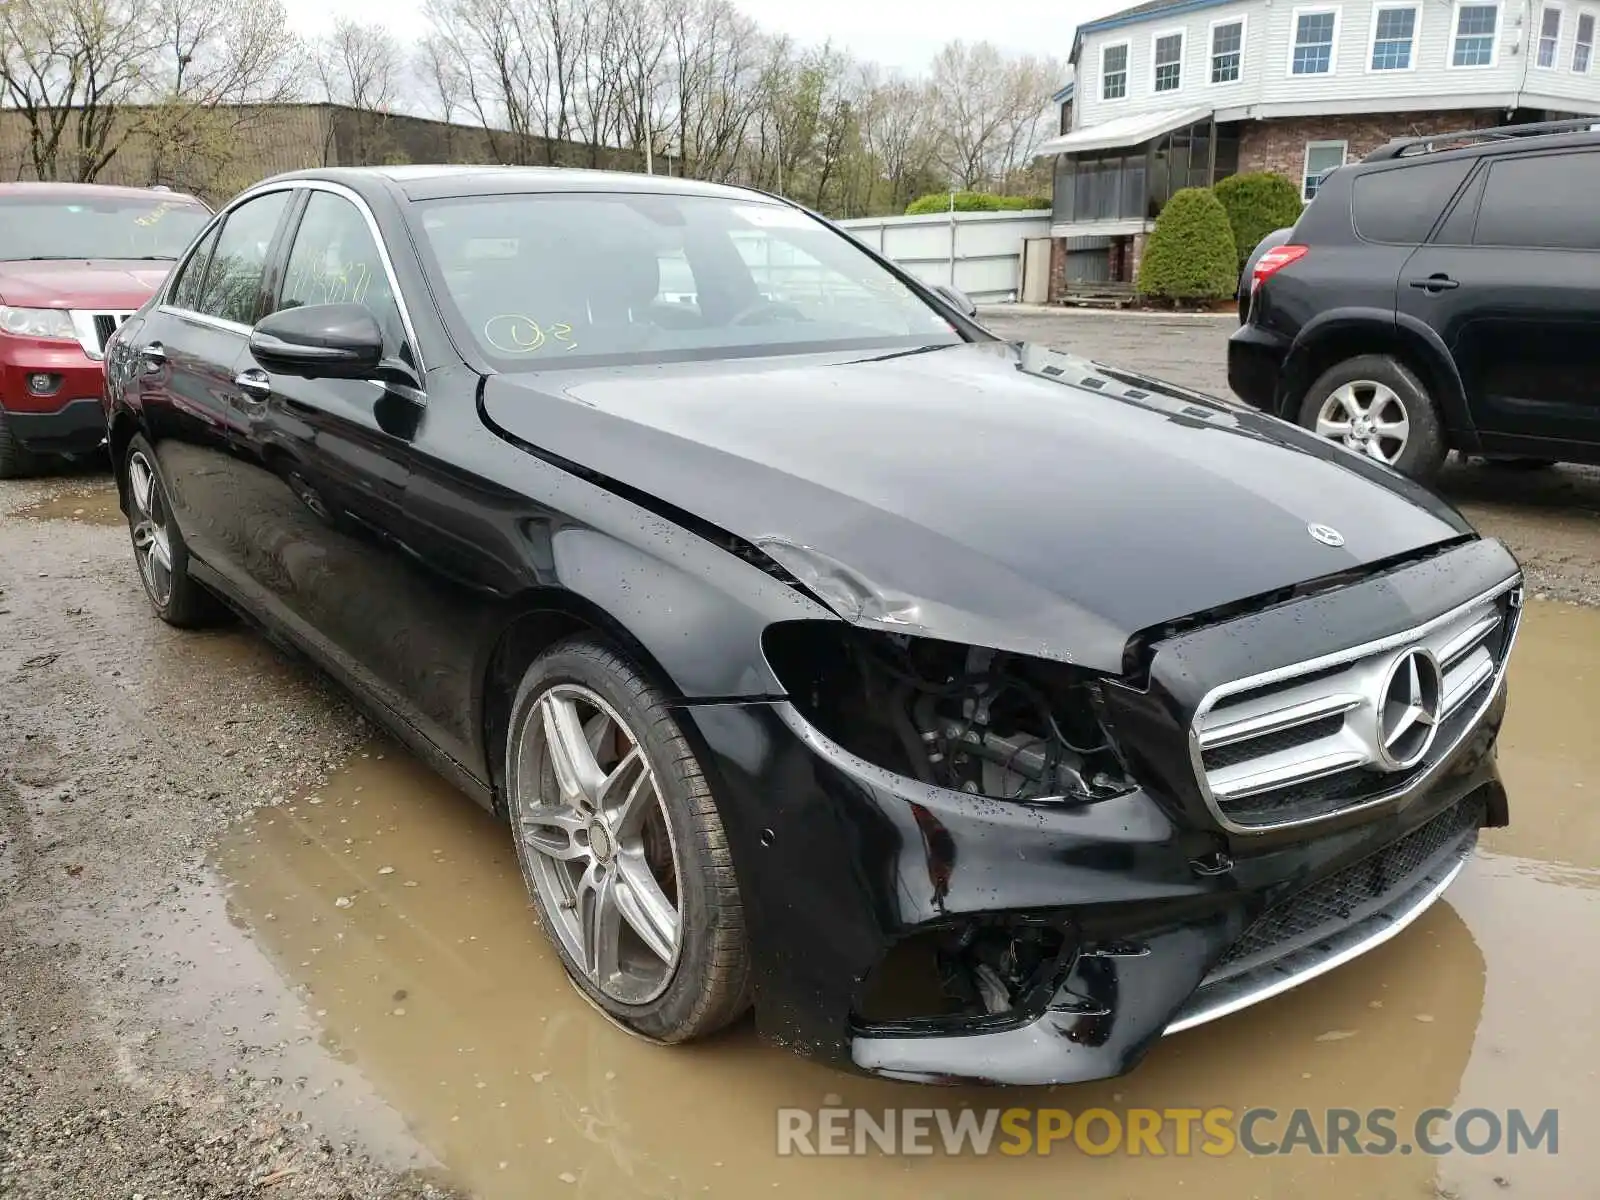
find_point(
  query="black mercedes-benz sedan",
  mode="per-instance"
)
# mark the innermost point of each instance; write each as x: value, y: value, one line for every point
x: 971, y: 710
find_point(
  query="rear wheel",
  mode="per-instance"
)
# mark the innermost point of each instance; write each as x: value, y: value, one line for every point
x: 622, y: 846
x: 1375, y: 406
x: 158, y: 547
x: 16, y: 462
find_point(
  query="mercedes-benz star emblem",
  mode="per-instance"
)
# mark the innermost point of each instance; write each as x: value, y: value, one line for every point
x: 1408, y: 709
x: 1326, y: 534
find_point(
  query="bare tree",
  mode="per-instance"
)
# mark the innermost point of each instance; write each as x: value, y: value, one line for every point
x: 69, y: 67
x: 219, y: 64
x: 988, y: 111
x: 361, y: 67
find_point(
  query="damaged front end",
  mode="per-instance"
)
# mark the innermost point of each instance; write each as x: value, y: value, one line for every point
x: 966, y: 718
x: 964, y: 863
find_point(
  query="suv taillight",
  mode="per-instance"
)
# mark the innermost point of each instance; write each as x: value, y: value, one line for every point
x: 1273, y: 261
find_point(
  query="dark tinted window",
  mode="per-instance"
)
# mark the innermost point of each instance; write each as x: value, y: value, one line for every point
x: 233, y: 284
x: 1545, y: 201
x: 1401, y: 204
x: 1457, y: 227
x: 186, y: 286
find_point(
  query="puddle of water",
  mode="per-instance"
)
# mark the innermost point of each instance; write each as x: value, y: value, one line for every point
x: 92, y: 504
x: 397, y: 906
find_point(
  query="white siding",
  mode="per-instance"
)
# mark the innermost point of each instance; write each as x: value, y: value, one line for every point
x: 1266, y: 87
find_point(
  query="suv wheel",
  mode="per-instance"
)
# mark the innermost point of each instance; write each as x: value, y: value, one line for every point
x: 1374, y: 405
x: 15, y: 461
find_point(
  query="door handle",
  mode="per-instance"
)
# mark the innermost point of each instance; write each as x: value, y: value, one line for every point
x: 154, y: 356
x: 255, y: 385
x: 1435, y: 283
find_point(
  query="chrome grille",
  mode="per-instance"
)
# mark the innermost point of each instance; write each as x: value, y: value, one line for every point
x: 94, y: 329
x: 1306, y: 741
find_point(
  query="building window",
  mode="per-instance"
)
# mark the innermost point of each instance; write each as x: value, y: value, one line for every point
x: 1168, y: 58
x: 1313, y: 42
x: 1321, y: 157
x: 1227, y: 48
x: 1114, y: 72
x: 1394, y: 34
x: 1476, y: 26
x: 1583, y: 46
x: 1549, y: 36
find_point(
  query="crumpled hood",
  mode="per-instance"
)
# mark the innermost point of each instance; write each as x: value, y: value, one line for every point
x: 80, y: 283
x: 1004, y: 496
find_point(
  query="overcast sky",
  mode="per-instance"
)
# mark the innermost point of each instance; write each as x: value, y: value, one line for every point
x: 902, y: 34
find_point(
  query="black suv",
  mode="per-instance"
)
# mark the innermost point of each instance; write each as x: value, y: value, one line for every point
x: 1443, y: 293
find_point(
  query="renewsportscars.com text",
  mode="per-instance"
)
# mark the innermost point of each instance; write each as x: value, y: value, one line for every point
x: 1159, y: 1132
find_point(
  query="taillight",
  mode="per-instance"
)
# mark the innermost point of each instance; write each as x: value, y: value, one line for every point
x: 1273, y: 261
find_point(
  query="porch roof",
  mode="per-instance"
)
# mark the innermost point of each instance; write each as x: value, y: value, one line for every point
x: 1124, y: 131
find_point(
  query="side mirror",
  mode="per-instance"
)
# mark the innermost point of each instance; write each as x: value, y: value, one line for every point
x: 319, y: 341
x: 958, y: 300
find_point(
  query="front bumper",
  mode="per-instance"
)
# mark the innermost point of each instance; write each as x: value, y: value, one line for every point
x: 69, y: 417
x: 1165, y: 919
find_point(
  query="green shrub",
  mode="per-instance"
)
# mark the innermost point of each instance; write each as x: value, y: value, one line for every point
x: 1257, y: 204
x: 1190, y: 255
x: 938, y: 202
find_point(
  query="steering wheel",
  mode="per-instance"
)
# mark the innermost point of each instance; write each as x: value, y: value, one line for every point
x: 764, y: 312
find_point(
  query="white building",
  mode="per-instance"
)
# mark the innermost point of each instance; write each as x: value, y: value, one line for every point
x: 1177, y: 93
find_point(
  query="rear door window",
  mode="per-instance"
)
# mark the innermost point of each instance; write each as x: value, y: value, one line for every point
x: 1543, y: 201
x: 1401, y: 204
x: 186, y: 286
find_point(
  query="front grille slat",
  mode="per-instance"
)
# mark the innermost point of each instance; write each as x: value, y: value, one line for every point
x: 94, y: 329
x: 1353, y: 892
x: 1304, y: 743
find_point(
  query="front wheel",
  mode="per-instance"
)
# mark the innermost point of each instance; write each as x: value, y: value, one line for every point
x: 1375, y: 406
x: 622, y: 846
x: 16, y: 461
x: 158, y: 546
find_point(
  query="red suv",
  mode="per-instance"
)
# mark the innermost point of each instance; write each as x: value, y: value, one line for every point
x: 75, y: 260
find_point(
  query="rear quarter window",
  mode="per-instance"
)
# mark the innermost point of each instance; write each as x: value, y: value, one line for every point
x: 1401, y: 204
x: 1544, y: 201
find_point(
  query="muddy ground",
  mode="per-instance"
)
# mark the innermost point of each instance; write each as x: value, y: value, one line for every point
x: 247, y: 948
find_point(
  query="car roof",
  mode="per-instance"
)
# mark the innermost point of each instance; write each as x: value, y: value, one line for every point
x: 430, y: 181
x: 89, y: 190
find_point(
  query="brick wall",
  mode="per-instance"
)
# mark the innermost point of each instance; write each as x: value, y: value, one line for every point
x: 1280, y: 144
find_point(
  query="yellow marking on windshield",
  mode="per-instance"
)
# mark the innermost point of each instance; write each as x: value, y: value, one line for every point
x: 515, y: 333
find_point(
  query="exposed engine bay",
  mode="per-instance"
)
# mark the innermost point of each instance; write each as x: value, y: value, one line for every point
x: 966, y: 718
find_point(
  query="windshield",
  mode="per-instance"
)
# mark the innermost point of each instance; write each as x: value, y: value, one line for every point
x: 72, y: 226
x: 567, y: 278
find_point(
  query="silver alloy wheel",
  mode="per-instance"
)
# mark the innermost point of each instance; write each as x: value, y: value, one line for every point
x: 151, y: 545
x: 1368, y: 417
x: 596, y: 842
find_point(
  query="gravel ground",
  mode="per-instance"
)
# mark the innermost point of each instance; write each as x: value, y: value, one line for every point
x: 120, y: 766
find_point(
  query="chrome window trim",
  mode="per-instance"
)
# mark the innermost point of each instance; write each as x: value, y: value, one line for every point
x: 1338, y: 658
x: 336, y: 189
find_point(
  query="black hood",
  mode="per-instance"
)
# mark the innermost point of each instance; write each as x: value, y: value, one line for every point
x: 1003, y: 496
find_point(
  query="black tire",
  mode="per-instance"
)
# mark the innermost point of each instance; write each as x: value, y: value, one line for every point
x: 16, y: 461
x: 710, y: 982
x: 184, y: 603
x: 1425, y: 449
